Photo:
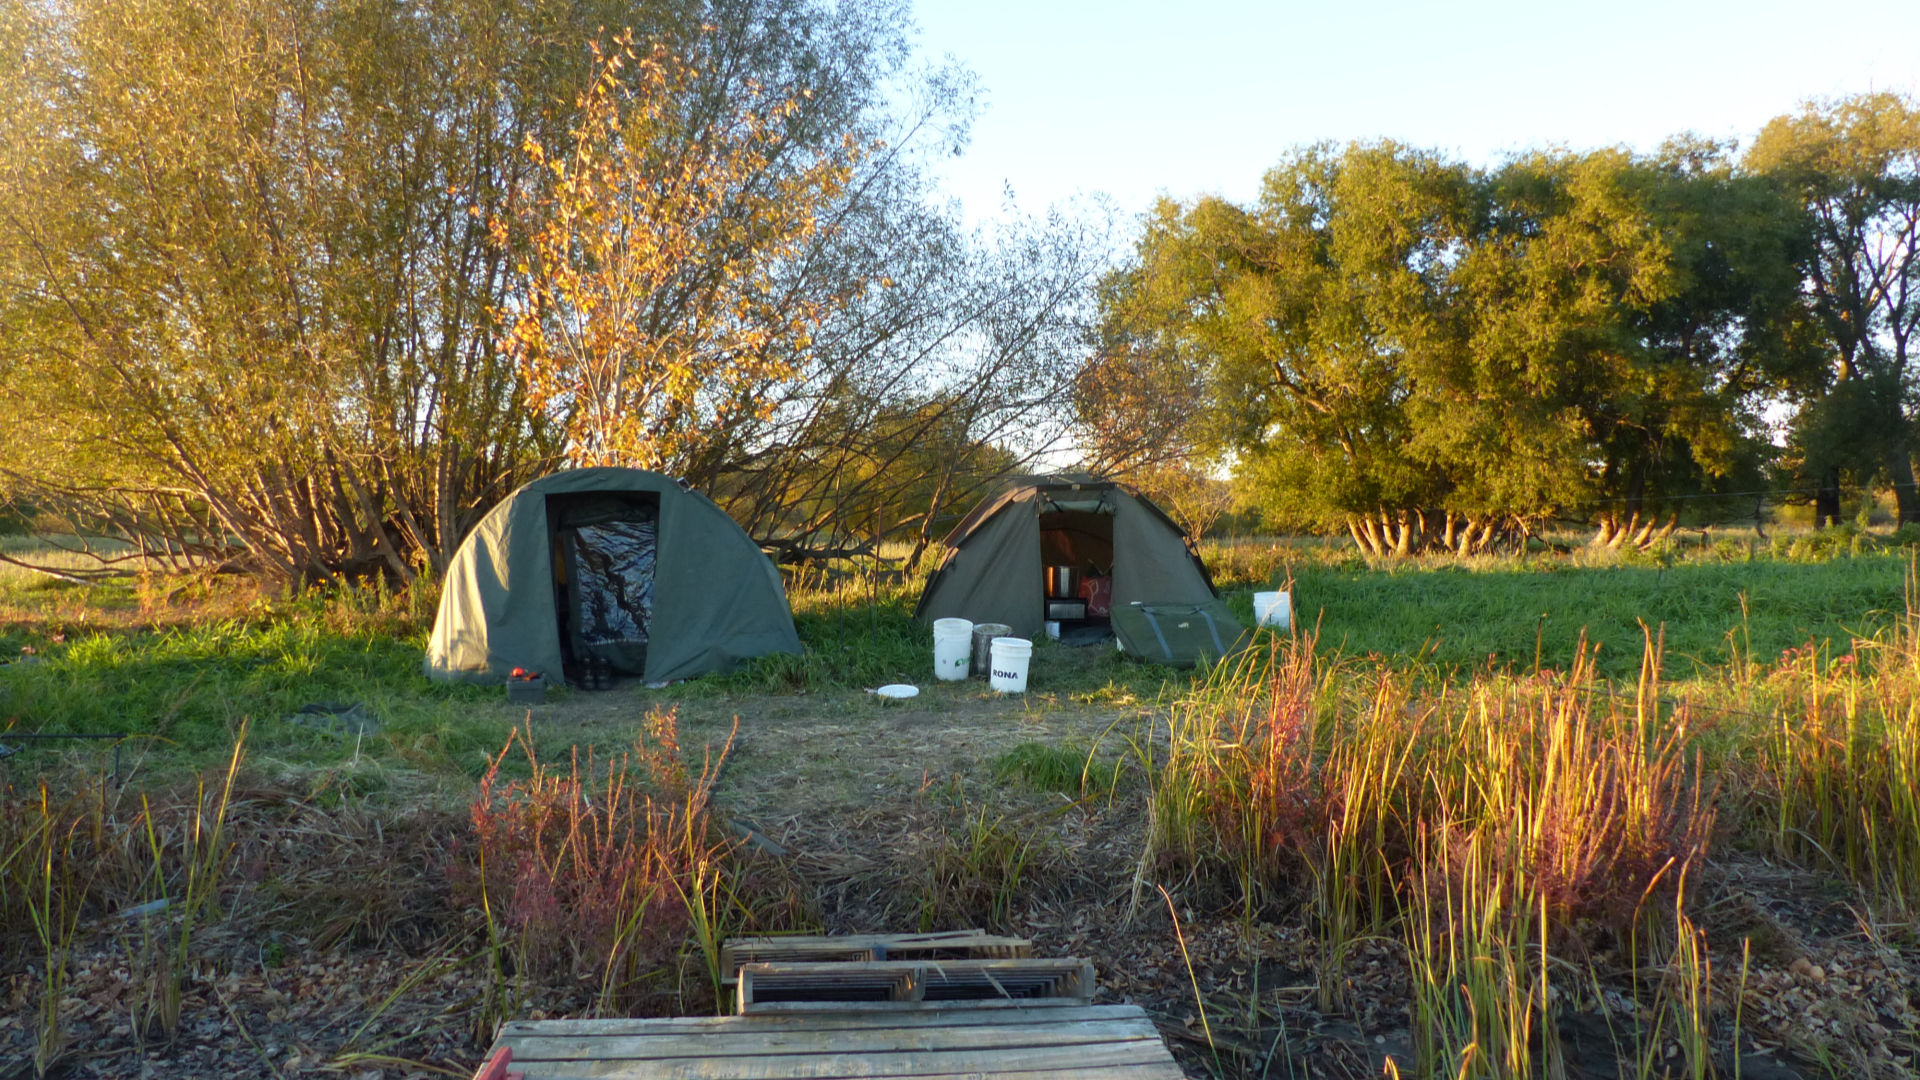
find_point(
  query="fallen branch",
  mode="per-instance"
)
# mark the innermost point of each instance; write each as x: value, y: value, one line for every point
x: 76, y: 577
x: 793, y: 551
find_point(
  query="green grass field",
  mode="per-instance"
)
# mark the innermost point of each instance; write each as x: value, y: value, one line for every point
x: 185, y: 666
x: 1509, y: 612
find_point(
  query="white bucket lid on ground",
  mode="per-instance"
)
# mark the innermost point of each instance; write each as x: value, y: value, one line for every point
x: 1008, y: 671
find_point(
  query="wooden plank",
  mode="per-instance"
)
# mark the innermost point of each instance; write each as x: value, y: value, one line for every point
x: 734, y: 957
x: 1159, y: 1071
x: 1151, y: 1071
x: 862, y: 940
x: 746, y: 1043
x: 949, y: 1007
x: 869, y: 980
x: 882, y: 1014
x: 960, y: 945
x: 851, y: 1066
x: 909, y: 980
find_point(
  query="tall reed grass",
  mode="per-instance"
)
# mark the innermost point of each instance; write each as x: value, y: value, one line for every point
x: 1526, y: 838
x: 606, y: 882
x: 1838, y: 771
x: 1484, y: 821
x: 71, y: 855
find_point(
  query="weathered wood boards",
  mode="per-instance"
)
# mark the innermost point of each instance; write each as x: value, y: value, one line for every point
x: 929, y: 1006
x: 955, y: 945
x: 913, y: 980
x: 924, y: 1040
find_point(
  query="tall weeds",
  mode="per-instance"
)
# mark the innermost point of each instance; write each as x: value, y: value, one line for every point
x: 601, y: 880
x: 1486, y: 820
x: 199, y: 848
x: 1839, y: 769
x: 70, y: 855
x: 974, y: 874
x: 46, y: 882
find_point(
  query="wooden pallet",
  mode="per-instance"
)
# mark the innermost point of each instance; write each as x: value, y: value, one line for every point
x: 957, y: 945
x: 998, y: 1040
x: 868, y: 981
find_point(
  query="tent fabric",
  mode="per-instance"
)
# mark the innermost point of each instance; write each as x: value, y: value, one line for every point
x: 1179, y: 635
x: 1151, y: 560
x: 717, y: 599
x: 992, y: 570
x: 991, y: 578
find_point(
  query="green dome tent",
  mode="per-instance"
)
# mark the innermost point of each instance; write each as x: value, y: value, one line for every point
x: 621, y: 565
x: 994, y: 566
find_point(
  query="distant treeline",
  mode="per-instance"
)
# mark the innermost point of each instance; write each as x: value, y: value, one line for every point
x: 1428, y: 354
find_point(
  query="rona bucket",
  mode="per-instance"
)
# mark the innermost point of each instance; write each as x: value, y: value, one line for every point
x: 1011, y: 656
x: 952, y: 648
x: 1273, y: 609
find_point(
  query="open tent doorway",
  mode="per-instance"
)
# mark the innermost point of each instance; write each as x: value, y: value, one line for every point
x: 604, y: 556
x: 1119, y: 546
x: 1076, y: 554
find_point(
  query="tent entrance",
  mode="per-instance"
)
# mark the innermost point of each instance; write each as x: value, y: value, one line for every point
x: 604, y: 546
x: 1082, y: 539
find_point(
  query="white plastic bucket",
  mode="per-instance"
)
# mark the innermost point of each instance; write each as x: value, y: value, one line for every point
x: 1010, y: 658
x: 1273, y: 609
x: 1053, y: 630
x: 952, y: 648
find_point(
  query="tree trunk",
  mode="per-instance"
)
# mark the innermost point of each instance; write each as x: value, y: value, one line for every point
x: 925, y: 538
x: 1363, y: 538
x: 1624, y: 530
x: 1826, y: 499
x: 1665, y: 531
x: 1906, y: 500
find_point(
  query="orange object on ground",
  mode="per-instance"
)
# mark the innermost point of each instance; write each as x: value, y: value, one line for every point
x: 495, y: 1067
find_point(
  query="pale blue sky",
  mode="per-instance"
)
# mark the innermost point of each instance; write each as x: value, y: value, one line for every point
x: 1129, y: 98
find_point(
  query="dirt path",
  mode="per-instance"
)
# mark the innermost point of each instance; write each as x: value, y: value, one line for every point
x: 826, y: 755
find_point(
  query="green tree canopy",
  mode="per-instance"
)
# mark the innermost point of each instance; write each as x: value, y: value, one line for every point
x: 1852, y: 167
x: 1427, y: 354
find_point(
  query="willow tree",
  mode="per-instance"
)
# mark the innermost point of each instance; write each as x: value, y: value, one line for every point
x: 660, y: 302
x: 780, y: 313
x: 248, y: 285
x: 1853, y: 168
x: 1305, y: 316
x: 245, y: 274
x: 1424, y: 355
